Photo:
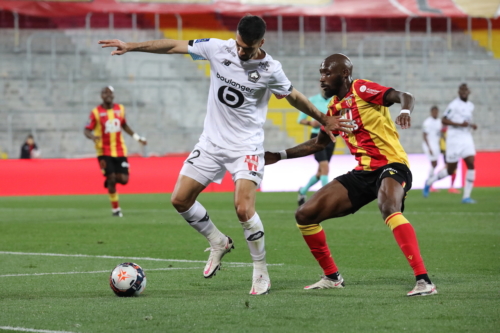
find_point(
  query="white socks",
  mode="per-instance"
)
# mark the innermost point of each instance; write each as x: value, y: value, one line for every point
x: 470, y: 176
x: 440, y: 175
x: 431, y: 171
x: 254, y: 234
x: 198, y: 218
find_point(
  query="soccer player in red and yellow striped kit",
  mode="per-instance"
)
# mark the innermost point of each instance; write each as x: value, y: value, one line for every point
x: 382, y: 172
x: 104, y: 127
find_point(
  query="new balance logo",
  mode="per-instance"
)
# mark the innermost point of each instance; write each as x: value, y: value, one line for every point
x: 204, y: 219
x: 256, y: 236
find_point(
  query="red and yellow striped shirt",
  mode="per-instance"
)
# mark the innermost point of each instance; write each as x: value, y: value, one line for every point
x: 374, y: 140
x: 107, y: 124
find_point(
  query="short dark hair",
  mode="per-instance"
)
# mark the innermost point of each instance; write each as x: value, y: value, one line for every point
x: 434, y: 107
x: 251, y: 28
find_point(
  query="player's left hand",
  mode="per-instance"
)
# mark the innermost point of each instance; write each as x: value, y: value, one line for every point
x: 404, y: 120
x: 271, y: 158
x: 473, y: 126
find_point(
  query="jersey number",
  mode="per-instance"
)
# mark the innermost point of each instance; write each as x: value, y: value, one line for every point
x: 196, y: 154
x: 230, y: 96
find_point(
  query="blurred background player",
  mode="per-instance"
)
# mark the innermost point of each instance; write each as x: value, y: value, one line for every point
x: 104, y: 127
x: 320, y: 101
x: 29, y: 149
x: 432, y: 127
x: 442, y: 146
x: 459, y: 142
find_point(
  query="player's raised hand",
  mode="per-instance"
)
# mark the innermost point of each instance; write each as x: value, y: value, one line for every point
x: 404, y: 120
x: 121, y: 47
x: 271, y: 158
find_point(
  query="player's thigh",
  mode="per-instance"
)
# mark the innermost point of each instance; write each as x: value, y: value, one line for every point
x: 469, y: 162
x: 185, y: 192
x: 395, y: 180
x: 332, y: 200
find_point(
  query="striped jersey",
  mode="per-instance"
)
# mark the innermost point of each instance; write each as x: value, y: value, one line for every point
x: 107, y: 124
x: 374, y: 140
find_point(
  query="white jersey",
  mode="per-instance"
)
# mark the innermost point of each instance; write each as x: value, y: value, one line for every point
x: 459, y: 111
x: 239, y: 94
x: 432, y: 127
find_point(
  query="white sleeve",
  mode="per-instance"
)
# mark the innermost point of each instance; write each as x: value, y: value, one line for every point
x: 201, y: 49
x: 279, y: 84
x: 425, y: 126
x: 448, y: 113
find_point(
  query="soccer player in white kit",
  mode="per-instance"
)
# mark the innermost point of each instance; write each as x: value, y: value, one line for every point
x: 432, y: 127
x: 459, y: 142
x: 243, y: 77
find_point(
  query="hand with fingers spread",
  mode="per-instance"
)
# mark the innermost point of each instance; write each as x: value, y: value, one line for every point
x: 121, y: 47
x: 337, y: 123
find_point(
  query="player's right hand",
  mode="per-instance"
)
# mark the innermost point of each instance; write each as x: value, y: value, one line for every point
x: 121, y: 47
x: 337, y: 123
x: 96, y: 139
x: 271, y: 158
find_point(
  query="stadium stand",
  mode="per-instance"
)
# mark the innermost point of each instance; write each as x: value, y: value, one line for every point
x: 52, y: 70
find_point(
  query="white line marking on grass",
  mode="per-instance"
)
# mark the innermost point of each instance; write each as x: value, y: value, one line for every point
x: 23, y: 329
x: 108, y: 271
x: 126, y: 258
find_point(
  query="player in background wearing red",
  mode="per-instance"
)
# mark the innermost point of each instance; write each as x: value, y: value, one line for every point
x: 104, y: 127
x: 382, y: 173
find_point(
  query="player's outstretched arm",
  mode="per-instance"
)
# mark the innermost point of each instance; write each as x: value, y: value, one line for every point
x: 307, y: 148
x: 407, y: 102
x: 335, y: 123
x: 165, y: 46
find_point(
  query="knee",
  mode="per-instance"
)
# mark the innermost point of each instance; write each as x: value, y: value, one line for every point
x: 244, y: 212
x: 388, y: 207
x: 304, y: 216
x: 111, y: 180
x: 124, y: 179
x: 180, y: 204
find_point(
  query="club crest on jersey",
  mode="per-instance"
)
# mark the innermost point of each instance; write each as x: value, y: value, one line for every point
x: 253, y: 76
x: 348, y: 101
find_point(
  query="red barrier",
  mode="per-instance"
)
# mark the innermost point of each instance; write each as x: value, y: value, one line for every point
x: 486, y: 165
x: 147, y: 175
x: 83, y: 176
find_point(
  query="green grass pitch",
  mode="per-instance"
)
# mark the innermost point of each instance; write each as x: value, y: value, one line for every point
x: 460, y: 245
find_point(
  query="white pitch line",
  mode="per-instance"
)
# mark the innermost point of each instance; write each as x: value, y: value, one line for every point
x: 23, y: 329
x: 95, y: 272
x: 126, y: 258
x: 107, y: 271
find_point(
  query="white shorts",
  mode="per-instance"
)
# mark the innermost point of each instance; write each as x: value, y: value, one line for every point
x: 208, y: 163
x: 435, y: 152
x: 459, y: 148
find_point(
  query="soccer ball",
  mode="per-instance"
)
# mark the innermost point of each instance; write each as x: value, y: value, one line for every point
x: 127, y: 279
